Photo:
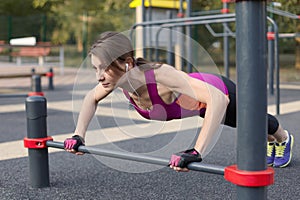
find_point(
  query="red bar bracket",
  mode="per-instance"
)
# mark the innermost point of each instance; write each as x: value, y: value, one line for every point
x: 36, y: 143
x: 49, y: 74
x: 35, y: 94
x: 270, y: 35
x: 249, y: 178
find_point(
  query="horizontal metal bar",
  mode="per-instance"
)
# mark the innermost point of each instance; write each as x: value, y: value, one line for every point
x: 176, y: 20
x: 288, y: 35
x: 208, y: 21
x: 13, y: 95
x: 209, y: 168
x: 282, y: 13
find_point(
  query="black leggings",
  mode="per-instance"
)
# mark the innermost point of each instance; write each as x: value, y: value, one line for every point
x: 230, y: 119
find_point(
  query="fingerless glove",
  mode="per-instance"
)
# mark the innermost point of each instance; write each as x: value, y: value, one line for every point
x: 182, y: 159
x: 74, y: 142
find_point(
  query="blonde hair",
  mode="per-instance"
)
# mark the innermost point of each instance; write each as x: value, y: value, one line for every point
x: 112, y: 46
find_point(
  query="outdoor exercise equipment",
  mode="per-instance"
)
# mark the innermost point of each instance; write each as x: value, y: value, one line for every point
x: 38, y: 142
x: 251, y: 174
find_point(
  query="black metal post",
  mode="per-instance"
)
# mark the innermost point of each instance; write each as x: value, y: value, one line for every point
x: 144, y: 39
x: 271, y: 61
x: 36, y: 113
x: 170, y: 51
x: 50, y: 79
x: 32, y: 73
x: 226, y: 42
x: 36, y: 83
x: 252, y: 92
x: 189, y: 46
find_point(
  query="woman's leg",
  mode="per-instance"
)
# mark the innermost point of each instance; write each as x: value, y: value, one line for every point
x: 280, y: 142
x: 275, y: 130
x: 230, y: 118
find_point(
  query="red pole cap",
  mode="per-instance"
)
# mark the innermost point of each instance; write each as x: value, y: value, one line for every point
x: 36, y: 94
x: 225, y: 10
x: 249, y: 178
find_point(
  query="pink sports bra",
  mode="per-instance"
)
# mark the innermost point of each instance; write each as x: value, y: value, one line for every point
x: 164, y: 112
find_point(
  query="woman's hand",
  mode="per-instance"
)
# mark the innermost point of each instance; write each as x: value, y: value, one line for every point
x: 71, y: 144
x: 179, y: 161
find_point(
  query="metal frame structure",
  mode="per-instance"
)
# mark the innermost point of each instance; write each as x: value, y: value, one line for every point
x: 273, y: 61
x: 177, y: 20
x: 251, y: 174
x: 182, y: 24
x: 186, y: 22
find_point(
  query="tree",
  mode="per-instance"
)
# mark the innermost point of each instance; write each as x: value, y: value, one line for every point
x: 20, y: 19
x: 288, y: 25
x: 97, y: 16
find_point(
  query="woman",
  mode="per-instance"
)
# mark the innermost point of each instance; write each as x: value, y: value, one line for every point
x: 160, y: 92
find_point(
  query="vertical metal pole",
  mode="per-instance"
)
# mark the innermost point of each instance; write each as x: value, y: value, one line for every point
x: 180, y: 37
x: 150, y: 31
x: 9, y: 34
x: 36, y: 83
x: 36, y: 113
x: 32, y: 73
x: 276, y: 61
x: 144, y: 31
x: 84, y: 34
x: 226, y: 43
x: 189, y: 34
x: 61, y: 59
x: 50, y: 79
x: 252, y: 92
x: 170, y: 42
x: 271, y: 61
x: 226, y: 54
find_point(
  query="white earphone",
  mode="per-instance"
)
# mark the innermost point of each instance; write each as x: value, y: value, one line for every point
x: 126, y: 69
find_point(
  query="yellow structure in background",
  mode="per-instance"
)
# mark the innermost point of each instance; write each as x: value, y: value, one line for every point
x: 158, y: 7
x: 167, y: 4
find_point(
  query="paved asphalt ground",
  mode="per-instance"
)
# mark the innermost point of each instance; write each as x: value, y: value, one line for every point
x: 85, y: 177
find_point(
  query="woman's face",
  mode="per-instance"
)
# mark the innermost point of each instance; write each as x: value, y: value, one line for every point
x: 108, y: 76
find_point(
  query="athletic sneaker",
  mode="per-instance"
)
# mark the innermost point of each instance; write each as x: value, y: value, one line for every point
x: 270, y: 153
x: 283, y: 152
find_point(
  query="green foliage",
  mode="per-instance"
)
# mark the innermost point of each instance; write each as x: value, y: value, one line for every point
x: 100, y: 16
x: 63, y: 21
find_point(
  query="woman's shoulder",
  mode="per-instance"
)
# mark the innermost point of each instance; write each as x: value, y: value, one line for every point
x: 168, y: 69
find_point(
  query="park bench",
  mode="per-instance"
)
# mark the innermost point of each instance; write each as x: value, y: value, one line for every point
x: 39, y: 52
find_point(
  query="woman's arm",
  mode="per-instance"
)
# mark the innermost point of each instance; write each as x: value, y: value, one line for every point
x: 216, y: 102
x: 88, y: 109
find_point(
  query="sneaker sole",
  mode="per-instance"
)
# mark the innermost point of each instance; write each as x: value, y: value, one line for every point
x: 270, y: 165
x: 292, y: 144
